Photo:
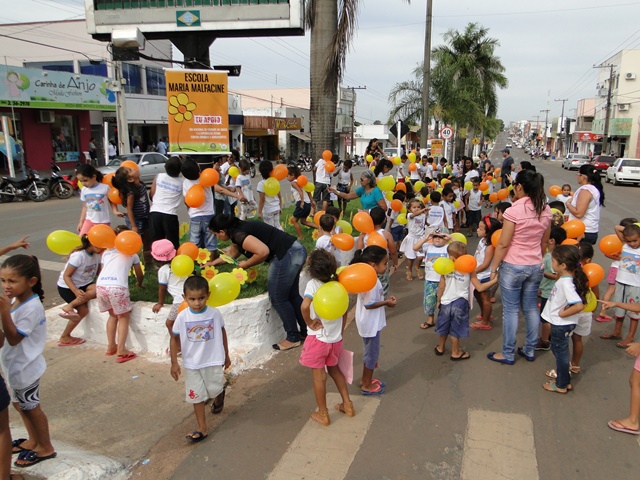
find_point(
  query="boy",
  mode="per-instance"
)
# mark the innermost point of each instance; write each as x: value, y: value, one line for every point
x: 556, y: 237
x: 395, y: 228
x: 474, y: 206
x: 432, y: 251
x: 379, y: 218
x: 268, y: 207
x: 327, y: 224
x: 345, y: 182
x: 435, y: 218
x: 199, y: 331
x: 335, y: 213
x: 323, y: 182
x: 453, y: 303
x: 426, y: 168
x: 447, y: 198
x: 500, y: 208
x: 247, y: 206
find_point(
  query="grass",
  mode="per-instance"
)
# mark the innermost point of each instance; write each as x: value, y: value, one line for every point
x: 149, y: 293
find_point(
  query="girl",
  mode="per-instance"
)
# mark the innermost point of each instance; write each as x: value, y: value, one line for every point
x: 371, y: 317
x: 247, y: 206
x: 323, y: 345
x: 268, y: 207
x: 135, y: 199
x: 163, y: 252
x: 566, y: 193
x: 484, y: 257
x: 566, y: 301
x: 94, y: 194
x: 345, y: 181
x: 302, y: 201
x: 433, y: 246
x: 24, y: 326
x: 166, y: 193
x: 112, y: 290
x: 416, y: 226
x: 76, y: 287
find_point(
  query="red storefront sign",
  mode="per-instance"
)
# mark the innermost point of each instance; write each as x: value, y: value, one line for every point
x: 589, y: 137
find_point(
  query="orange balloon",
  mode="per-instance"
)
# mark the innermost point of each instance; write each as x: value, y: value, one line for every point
x: 374, y: 238
x: 495, y: 238
x: 358, y: 278
x: 114, y: 196
x: 555, y: 190
x: 327, y: 155
x: 182, y: 306
x: 497, y: 170
x: 412, y: 167
x: 503, y: 193
x: 483, y: 186
x: 498, y: 179
x: 574, y: 228
x: 108, y: 178
x: 128, y: 242
x: 396, y: 205
x: 569, y: 241
x: 343, y: 241
x: 102, y: 236
x: 209, y: 177
x: 316, y: 217
x: 610, y: 245
x: 189, y: 249
x: 493, y: 197
x: 195, y: 196
x: 433, y: 184
x: 401, y: 186
x: 594, y: 272
x: 302, y: 181
x: 329, y: 166
x: 130, y: 164
x: 466, y: 263
x: 362, y: 222
x: 279, y: 172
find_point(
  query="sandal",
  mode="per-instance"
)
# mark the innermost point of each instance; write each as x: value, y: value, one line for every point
x: 346, y: 408
x: 438, y: 352
x: 603, y: 318
x: 218, y: 403
x: 16, y: 444
x: 552, y: 387
x: 321, y: 417
x: 427, y: 325
x: 196, y: 437
x: 31, y: 457
x: 610, y: 336
x: 479, y: 317
x: 409, y: 276
x: 480, y: 326
x: 574, y: 368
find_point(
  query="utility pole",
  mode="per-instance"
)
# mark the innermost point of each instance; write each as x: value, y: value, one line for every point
x: 121, y: 110
x: 605, y: 135
x: 353, y: 113
x: 546, y: 121
x: 562, y: 124
x: 426, y: 79
x: 537, y: 117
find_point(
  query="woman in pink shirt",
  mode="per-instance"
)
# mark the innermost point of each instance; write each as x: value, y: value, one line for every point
x: 522, y: 245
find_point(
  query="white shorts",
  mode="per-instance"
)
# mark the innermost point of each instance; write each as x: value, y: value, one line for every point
x: 583, y: 328
x: 203, y: 384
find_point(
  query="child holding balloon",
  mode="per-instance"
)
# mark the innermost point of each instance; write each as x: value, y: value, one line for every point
x: 416, y: 226
x: 247, y: 206
x: 433, y: 246
x: 95, y: 197
x: 302, y: 201
x: 269, y: 206
x: 163, y: 252
x: 484, y: 256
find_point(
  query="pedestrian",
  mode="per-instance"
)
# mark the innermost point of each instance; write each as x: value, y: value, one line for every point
x: 394, y: 226
x: 508, y: 167
x: 433, y: 246
x: 416, y: 226
x: 474, y: 207
x: 368, y: 192
x: 436, y: 216
x: 247, y: 207
x: 94, y: 195
x: 112, y: 152
x: 166, y: 195
x: 269, y: 206
x: 135, y: 148
x: 565, y: 195
x: 484, y: 258
x: 302, y: 201
x: 93, y: 152
x: 134, y: 196
x: 205, y: 353
x: 345, y: 182
x: 586, y: 202
x: 448, y: 198
x: 163, y: 252
x: 322, y: 184
x: 161, y: 147
x: 323, y: 346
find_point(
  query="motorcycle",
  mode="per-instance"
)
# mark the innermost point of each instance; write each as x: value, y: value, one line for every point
x: 252, y: 164
x: 31, y: 187
x: 58, y: 185
x: 305, y: 163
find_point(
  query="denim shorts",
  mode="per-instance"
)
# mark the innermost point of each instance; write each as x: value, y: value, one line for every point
x: 453, y: 319
x: 371, y: 351
x: 302, y: 212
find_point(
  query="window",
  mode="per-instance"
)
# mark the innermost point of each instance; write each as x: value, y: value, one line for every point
x: 52, y: 66
x: 133, y: 76
x: 155, y: 81
x: 64, y: 138
x: 89, y: 69
x: 631, y: 163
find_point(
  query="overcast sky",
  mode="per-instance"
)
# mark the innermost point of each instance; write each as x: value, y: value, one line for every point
x: 548, y: 47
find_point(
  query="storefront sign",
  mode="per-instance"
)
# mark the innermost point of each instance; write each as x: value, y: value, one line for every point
x: 617, y: 126
x: 589, y: 137
x: 35, y: 88
x: 198, y: 106
x: 436, y: 148
x: 288, y: 123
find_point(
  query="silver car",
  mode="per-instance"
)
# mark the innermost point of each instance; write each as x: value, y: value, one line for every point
x: 150, y: 163
x: 574, y: 161
x: 625, y: 170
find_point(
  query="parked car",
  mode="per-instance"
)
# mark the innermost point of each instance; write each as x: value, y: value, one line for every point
x: 391, y: 152
x: 574, y: 161
x: 508, y: 145
x: 625, y: 170
x: 602, y: 163
x: 150, y: 163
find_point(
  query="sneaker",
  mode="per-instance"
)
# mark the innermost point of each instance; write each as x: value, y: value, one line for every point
x: 543, y: 346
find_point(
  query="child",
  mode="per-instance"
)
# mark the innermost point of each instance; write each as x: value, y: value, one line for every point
x: 432, y: 251
x: 566, y: 301
x: 24, y: 326
x: 112, y: 291
x: 247, y: 205
x: 345, y: 181
x: 627, y: 283
x: 327, y: 224
x: 94, y: 194
x: 447, y: 204
x: 163, y: 252
x: 436, y: 216
x: 396, y: 228
x: 484, y: 256
x: 268, y: 207
x: 416, y: 227
x: 453, y: 303
x: 166, y: 193
x: 583, y: 328
x: 302, y: 201
x: 458, y: 194
x: 199, y: 217
x: 371, y: 317
x: 556, y: 237
x: 323, y: 182
x: 499, y: 210
x: 630, y: 424
x: 76, y: 287
x: 323, y: 345
x: 335, y: 213
x: 200, y: 334
x: 474, y: 207
x: 566, y: 193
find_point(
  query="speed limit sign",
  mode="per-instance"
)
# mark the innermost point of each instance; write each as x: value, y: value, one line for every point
x: 446, y: 132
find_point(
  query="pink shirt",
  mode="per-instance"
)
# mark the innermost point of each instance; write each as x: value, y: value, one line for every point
x: 525, y: 243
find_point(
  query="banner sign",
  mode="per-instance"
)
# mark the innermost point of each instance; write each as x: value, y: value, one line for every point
x: 198, y: 107
x: 436, y: 148
x: 35, y: 88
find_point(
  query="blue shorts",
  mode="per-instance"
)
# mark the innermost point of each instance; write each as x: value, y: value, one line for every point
x: 371, y: 351
x: 430, y: 297
x: 302, y: 212
x: 453, y: 319
x: 397, y: 233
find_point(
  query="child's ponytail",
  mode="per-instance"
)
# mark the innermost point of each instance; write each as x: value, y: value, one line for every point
x: 26, y: 266
x: 84, y: 244
x: 372, y: 254
x: 570, y: 256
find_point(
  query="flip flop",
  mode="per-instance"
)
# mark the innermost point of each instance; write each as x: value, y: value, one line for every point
x: 463, y: 356
x: 196, y: 437
x: 126, y: 358
x: 622, y: 345
x: 379, y: 382
x: 618, y: 427
x: 216, y: 408
x: 479, y: 317
x: 379, y: 390
x: 427, y: 325
x: 438, y: 352
x: 111, y: 354
x: 480, y: 326
x: 72, y: 343
x: 32, y: 457
x: 603, y: 318
x: 16, y: 444
x: 610, y: 336
x: 69, y: 315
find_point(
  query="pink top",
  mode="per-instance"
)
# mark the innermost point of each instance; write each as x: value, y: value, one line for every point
x: 525, y: 243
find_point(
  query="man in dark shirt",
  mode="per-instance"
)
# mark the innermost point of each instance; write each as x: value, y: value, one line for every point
x: 507, y: 167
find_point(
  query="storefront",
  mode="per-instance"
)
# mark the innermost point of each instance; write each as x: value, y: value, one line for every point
x: 620, y: 141
x: 266, y: 137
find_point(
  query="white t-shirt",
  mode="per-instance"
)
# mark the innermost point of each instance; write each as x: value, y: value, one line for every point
x: 436, y: 216
x: 370, y: 322
x: 271, y: 204
x: 471, y: 174
x: 481, y: 252
x: 86, y: 266
x: 168, y: 194
x: 563, y: 294
x: 174, y: 283
x: 344, y: 178
x: 244, y: 182
x: 416, y: 225
x: 448, y: 211
x: 324, y: 243
x: 200, y: 338
x: 563, y: 198
x: 456, y: 285
x: 331, y: 331
x: 321, y: 174
x: 629, y: 266
x: 207, y: 206
x: 23, y: 363
x: 400, y: 171
x: 97, y: 202
x: 296, y: 195
x: 115, y: 268
x: 475, y: 197
x: 426, y: 171
x: 431, y: 254
x: 591, y: 217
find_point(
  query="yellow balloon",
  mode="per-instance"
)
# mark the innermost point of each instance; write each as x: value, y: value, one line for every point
x: 419, y: 185
x: 427, y: 199
x: 386, y: 183
x: 233, y: 172
x: 225, y: 288
x: 456, y: 203
x: 555, y: 211
x: 403, y: 209
x: 309, y: 187
x: 592, y: 302
x: 485, y: 192
x: 439, y: 190
x: 510, y: 187
x: 468, y: 185
x: 344, y: 226
x: 459, y: 237
x: 396, y: 160
x: 443, y: 266
x: 182, y: 265
x: 369, y: 159
x: 63, y: 242
x: 389, y: 195
x: 402, y: 219
x: 412, y: 157
x: 271, y: 187
x: 331, y: 301
x: 80, y: 184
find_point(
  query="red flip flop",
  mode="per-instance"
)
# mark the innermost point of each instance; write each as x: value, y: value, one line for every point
x: 126, y: 358
x: 480, y: 326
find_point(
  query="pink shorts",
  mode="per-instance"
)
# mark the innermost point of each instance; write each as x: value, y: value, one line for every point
x: 637, y: 364
x: 86, y: 226
x: 113, y: 299
x: 318, y: 354
x: 611, y: 275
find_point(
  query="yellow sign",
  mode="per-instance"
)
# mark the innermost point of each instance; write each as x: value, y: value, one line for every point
x: 475, y: 140
x: 436, y: 148
x: 198, y: 108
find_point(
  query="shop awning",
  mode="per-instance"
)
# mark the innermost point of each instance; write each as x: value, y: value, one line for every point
x: 301, y: 135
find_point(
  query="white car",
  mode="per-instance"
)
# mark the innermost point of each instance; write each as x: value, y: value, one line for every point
x: 624, y: 170
x: 508, y: 145
x: 150, y: 163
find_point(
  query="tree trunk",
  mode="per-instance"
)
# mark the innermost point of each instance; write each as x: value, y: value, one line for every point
x: 426, y: 79
x: 323, y: 101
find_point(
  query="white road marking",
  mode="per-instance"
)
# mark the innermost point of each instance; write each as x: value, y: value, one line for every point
x: 307, y: 455
x: 499, y: 445
x: 44, y: 264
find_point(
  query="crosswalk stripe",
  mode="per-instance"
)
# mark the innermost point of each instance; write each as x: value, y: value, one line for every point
x: 323, y: 453
x: 499, y: 445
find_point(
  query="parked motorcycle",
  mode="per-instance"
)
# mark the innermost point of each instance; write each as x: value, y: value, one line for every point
x: 58, y: 185
x: 252, y: 164
x: 305, y: 163
x: 31, y: 187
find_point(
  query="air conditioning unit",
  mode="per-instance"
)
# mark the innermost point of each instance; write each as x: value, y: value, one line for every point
x: 630, y: 76
x: 623, y: 107
x: 46, y: 116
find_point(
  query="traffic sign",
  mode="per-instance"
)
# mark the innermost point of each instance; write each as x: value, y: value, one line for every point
x: 446, y: 132
x: 475, y: 140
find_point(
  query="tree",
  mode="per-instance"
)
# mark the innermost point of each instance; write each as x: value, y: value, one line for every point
x: 377, y: 122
